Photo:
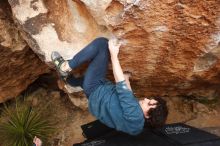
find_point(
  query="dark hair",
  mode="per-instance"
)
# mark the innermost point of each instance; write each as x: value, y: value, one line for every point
x: 157, y: 116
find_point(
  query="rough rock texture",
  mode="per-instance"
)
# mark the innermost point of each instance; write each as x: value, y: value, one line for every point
x: 19, y: 65
x: 171, y: 46
x: 60, y: 25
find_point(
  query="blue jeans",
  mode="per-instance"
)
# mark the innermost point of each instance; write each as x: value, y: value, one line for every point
x: 97, y: 52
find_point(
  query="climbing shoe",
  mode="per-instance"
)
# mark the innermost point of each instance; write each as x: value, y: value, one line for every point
x: 58, y: 60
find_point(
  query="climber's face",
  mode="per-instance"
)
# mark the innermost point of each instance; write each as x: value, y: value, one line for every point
x: 147, y: 104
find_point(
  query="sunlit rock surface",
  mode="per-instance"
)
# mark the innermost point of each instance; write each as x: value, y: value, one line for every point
x: 170, y: 46
x: 19, y: 66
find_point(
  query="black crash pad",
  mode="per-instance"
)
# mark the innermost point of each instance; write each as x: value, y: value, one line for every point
x: 184, y: 135
x: 177, y: 134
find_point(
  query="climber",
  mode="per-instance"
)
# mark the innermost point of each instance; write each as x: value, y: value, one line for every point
x: 113, y: 104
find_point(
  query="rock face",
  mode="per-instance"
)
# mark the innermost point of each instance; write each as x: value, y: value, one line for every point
x: 172, y: 47
x: 19, y: 65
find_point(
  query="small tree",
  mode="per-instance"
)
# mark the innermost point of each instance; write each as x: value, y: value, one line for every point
x: 19, y: 125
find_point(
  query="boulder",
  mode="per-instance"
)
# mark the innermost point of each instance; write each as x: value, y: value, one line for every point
x: 19, y: 66
x: 172, y: 47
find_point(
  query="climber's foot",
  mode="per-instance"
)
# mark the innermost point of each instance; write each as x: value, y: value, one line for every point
x: 59, y: 62
x: 73, y: 84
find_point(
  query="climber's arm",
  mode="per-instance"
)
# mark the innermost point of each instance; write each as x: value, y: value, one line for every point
x: 127, y: 76
x: 116, y: 67
x: 114, y: 46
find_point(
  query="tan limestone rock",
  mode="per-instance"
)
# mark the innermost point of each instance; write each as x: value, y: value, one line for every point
x: 170, y: 46
x: 19, y: 66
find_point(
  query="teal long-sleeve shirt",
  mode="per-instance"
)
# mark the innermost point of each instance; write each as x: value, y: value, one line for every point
x: 116, y: 106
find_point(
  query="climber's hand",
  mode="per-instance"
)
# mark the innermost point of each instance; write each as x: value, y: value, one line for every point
x: 114, y: 45
x: 37, y: 141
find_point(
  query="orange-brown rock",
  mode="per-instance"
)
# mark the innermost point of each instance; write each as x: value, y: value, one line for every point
x: 170, y: 46
x: 19, y: 66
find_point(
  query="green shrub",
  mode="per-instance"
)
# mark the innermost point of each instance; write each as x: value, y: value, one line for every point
x: 19, y: 125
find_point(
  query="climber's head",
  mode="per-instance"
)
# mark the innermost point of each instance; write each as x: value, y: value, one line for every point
x: 155, y: 111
